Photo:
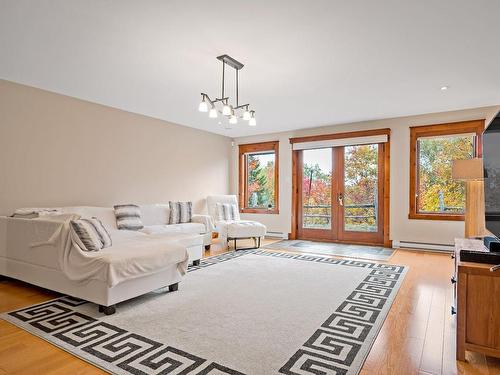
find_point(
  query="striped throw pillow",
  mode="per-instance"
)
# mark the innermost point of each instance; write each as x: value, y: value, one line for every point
x: 101, y: 231
x: 128, y: 216
x: 180, y: 212
x: 85, y: 235
x: 227, y: 211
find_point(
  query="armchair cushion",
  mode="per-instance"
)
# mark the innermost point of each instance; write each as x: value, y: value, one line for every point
x: 241, y: 228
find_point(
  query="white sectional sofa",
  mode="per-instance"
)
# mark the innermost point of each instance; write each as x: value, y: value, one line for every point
x: 40, y: 251
x: 155, y: 218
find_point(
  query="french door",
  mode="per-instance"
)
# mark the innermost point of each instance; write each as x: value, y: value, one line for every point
x: 340, y: 193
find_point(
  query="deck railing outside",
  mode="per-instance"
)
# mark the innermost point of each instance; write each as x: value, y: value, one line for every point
x: 319, y: 216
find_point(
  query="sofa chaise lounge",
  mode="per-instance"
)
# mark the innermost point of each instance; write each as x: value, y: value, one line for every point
x: 40, y: 251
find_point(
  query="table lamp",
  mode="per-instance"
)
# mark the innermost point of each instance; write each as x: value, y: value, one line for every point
x: 471, y: 171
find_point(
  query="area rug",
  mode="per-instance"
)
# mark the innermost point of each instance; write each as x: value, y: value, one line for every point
x: 250, y: 312
x: 327, y: 248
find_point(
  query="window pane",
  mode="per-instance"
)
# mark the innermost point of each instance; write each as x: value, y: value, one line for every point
x: 316, y: 188
x: 260, y: 180
x: 361, y: 188
x: 437, y: 191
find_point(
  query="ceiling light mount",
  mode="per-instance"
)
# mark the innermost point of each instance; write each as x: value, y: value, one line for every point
x: 231, y: 112
x: 230, y: 61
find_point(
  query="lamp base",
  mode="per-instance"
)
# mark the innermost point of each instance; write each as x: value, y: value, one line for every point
x: 474, y: 209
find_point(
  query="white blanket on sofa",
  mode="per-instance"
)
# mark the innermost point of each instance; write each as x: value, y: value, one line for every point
x: 132, y: 254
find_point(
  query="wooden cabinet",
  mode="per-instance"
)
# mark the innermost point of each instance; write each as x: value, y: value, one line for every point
x: 477, y: 292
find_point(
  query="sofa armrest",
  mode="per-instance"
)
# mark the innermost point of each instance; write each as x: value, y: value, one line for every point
x: 204, y: 219
x: 19, y: 235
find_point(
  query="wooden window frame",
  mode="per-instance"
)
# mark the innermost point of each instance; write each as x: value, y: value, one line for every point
x: 452, y: 128
x: 242, y: 179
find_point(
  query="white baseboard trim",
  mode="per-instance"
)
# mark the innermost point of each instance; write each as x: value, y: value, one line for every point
x: 423, y: 246
x: 281, y: 235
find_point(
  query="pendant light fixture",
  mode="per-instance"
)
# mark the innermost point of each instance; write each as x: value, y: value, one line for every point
x: 231, y: 112
x: 212, y: 113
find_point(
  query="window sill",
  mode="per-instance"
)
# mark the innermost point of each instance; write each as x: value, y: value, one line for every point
x: 442, y: 217
x: 273, y: 211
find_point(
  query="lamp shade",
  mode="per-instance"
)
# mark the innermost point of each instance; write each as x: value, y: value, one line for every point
x: 467, y: 170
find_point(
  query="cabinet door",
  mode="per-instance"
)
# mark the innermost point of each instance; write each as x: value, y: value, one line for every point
x: 483, y: 311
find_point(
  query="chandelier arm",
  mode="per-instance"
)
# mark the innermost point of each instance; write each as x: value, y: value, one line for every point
x: 205, y: 96
x: 242, y: 106
x: 224, y: 100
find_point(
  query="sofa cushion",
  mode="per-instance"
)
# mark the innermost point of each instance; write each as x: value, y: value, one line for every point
x: 105, y: 214
x: 155, y: 214
x: 195, y: 228
x: 140, y: 255
x: 185, y: 239
x: 128, y: 217
x: 121, y: 236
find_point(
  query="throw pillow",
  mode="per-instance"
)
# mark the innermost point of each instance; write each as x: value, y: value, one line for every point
x: 226, y: 211
x: 128, y: 216
x: 85, y: 235
x: 101, y: 231
x: 180, y: 212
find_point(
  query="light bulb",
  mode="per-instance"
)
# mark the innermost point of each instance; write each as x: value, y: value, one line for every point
x: 203, y: 107
x: 212, y: 113
x: 252, y: 122
x: 226, y: 110
x: 246, y: 115
x: 233, y: 119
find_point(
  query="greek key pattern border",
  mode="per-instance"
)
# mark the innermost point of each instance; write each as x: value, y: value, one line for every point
x: 331, y: 349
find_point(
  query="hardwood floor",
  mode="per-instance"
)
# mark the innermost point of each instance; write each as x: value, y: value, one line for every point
x: 418, y: 336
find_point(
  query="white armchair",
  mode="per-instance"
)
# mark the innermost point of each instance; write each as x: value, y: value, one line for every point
x: 225, y: 214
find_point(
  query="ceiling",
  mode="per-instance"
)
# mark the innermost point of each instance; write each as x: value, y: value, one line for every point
x: 307, y: 63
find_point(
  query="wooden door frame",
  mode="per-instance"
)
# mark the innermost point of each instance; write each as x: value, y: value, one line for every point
x: 387, y: 242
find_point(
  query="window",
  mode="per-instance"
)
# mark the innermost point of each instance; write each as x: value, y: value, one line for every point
x: 433, y: 193
x: 258, y: 178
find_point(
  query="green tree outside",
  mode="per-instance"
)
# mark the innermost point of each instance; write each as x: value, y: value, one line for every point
x: 437, y: 191
x: 260, y: 181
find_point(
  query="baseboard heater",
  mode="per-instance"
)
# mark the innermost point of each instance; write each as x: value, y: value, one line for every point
x: 277, y: 235
x: 423, y: 246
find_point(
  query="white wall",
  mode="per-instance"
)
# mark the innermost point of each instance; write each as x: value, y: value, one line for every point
x: 60, y: 151
x: 401, y: 228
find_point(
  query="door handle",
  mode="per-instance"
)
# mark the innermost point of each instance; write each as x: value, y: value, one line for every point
x: 340, y: 198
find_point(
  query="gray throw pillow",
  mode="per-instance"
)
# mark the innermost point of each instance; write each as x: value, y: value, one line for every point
x: 128, y: 216
x: 180, y: 212
x: 90, y: 234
